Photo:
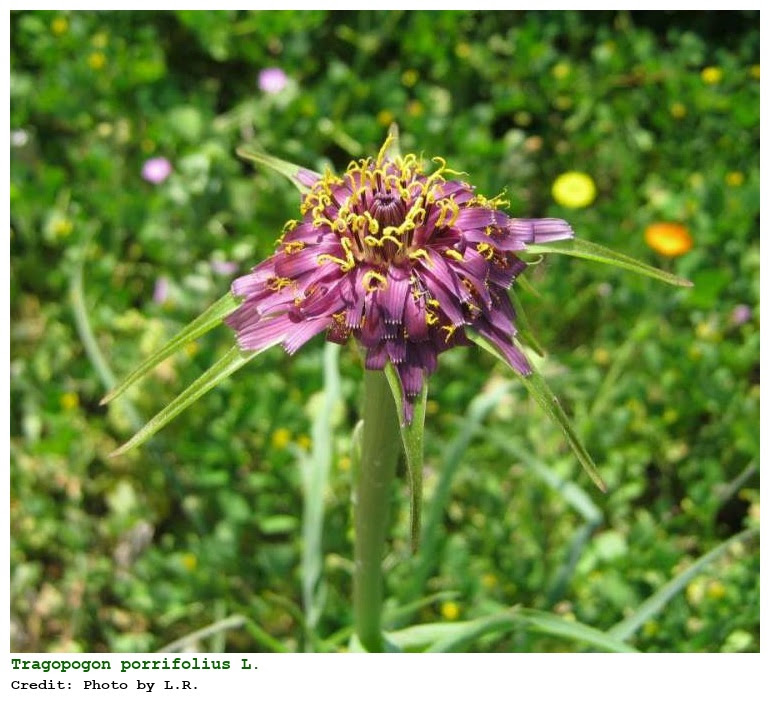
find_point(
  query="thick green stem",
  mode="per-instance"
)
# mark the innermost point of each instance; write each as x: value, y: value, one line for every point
x: 380, y: 448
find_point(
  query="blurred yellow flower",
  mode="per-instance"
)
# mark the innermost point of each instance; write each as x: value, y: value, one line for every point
x: 678, y: 110
x: 281, y: 438
x: 385, y: 118
x: 409, y: 77
x: 716, y: 590
x: 189, y: 561
x: 60, y: 25
x: 99, y: 40
x: 415, y: 108
x: 561, y: 70
x: 574, y: 189
x: 754, y: 71
x: 97, y: 60
x: 304, y: 441
x: 651, y: 628
x: 450, y: 610
x: 463, y: 50
x: 489, y: 580
x: 344, y: 463
x: 69, y: 401
x: 668, y: 238
x: 601, y: 356
x: 711, y: 75
x: 191, y: 348
x: 62, y: 228
x: 734, y: 178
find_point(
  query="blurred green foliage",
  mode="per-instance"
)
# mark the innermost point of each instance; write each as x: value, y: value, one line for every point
x: 204, y: 522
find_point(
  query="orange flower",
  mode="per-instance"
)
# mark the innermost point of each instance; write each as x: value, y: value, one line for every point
x: 668, y: 238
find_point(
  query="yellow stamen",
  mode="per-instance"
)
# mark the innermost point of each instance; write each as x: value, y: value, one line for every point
x: 294, y: 247
x: 450, y: 330
x: 454, y: 254
x: 485, y: 250
x: 370, y: 276
x: 420, y: 254
x: 279, y: 283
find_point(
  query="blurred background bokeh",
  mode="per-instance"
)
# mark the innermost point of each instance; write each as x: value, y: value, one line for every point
x: 130, y: 214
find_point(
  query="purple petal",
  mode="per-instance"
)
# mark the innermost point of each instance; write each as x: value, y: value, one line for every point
x: 538, y: 231
x: 376, y: 357
x: 480, y: 217
x: 303, y: 332
x: 261, y: 333
x: 392, y: 299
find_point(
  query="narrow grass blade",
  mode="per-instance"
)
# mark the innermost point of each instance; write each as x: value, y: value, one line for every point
x: 199, y: 326
x: 223, y: 368
x: 656, y: 602
x: 524, y: 327
x: 594, y: 252
x: 551, y: 624
x: 315, y: 478
x: 549, y: 403
x: 472, y: 630
x: 412, y: 438
x: 302, y: 178
x: 193, y: 639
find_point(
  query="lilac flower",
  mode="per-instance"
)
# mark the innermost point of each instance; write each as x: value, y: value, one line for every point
x: 401, y: 260
x: 740, y: 315
x: 272, y: 80
x: 156, y: 170
x: 160, y: 293
x: 224, y: 268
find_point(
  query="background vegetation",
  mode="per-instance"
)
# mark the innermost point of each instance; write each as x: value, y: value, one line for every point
x: 205, y: 524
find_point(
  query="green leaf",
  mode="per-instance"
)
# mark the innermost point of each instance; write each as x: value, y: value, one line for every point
x: 540, y: 391
x: 315, y: 478
x: 594, y: 252
x: 451, y: 637
x: 551, y: 624
x: 202, y: 324
x: 412, y: 439
x: 524, y: 327
x: 285, y: 168
x: 223, y: 368
x: 625, y: 628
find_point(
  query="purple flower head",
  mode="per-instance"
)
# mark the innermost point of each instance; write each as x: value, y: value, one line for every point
x: 272, y: 80
x: 156, y: 170
x: 401, y: 260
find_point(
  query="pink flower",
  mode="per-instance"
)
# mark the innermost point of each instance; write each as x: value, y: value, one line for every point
x: 160, y: 294
x: 272, y: 80
x: 156, y: 170
x: 224, y: 268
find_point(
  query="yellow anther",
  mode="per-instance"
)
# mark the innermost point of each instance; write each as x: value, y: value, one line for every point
x: 346, y: 264
x: 454, y: 254
x: 340, y: 225
x: 485, y: 250
x: 390, y: 238
x: 294, y: 247
x: 420, y: 254
x: 434, y: 303
x: 371, y: 241
x: 450, y: 330
x: 374, y: 225
x: 431, y: 318
x: 384, y: 148
x: 370, y: 276
x: 289, y: 226
x: 279, y: 283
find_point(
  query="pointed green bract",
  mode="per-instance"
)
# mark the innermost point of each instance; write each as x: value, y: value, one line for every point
x: 412, y: 438
x: 223, y: 368
x: 202, y: 324
x: 285, y: 168
x: 540, y: 391
x: 524, y: 328
x: 392, y: 143
x: 594, y: 252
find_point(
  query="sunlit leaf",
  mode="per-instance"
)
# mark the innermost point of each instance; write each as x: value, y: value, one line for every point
x: 301, y: 177
x: 223, y: 368
x: 595, y: 252
x: 199, y: 326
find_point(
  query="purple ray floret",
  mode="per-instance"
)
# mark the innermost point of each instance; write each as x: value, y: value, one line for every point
x: 401, y: 260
